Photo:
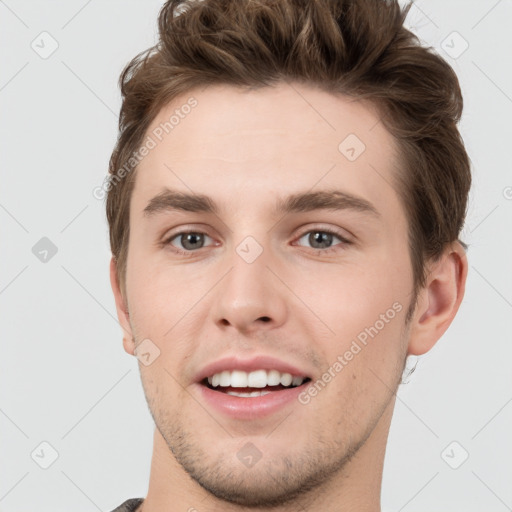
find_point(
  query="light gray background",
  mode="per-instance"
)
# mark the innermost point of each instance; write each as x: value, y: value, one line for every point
x: 65, y: 379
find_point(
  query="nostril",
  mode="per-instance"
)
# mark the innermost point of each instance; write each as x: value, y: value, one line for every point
x: 265, y: 319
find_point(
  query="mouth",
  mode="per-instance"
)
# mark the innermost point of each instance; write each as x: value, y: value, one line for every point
x: 250, y: 389
x: 257, y: 383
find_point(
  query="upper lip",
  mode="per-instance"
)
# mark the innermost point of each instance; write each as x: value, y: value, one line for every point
x: 261, y: 362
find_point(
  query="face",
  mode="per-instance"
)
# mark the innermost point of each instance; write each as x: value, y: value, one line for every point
x: 262, y: 276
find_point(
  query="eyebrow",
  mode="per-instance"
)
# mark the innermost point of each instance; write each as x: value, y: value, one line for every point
x: 173, y: 200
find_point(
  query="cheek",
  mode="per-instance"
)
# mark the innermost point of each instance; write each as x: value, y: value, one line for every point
x: 365, y: 310
x: 349, y: 297
x: 157, y: 295
x: 165, y: 311
x: 364, y: 360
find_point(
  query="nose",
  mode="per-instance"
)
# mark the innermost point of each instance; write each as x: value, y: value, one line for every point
x: 251, y: 297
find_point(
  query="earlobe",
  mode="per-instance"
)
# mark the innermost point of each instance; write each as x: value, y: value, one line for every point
x: 129, y: 345
x: 439, y: 300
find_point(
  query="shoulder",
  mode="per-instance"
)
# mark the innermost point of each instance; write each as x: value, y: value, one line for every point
x: 130, y: 505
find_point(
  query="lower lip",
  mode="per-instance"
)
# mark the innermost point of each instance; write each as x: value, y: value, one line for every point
x: 247, y: 408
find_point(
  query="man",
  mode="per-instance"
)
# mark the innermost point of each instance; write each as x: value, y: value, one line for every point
x: 285, y: 201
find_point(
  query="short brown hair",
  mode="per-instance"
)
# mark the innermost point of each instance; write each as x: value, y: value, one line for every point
x: 358, y: 48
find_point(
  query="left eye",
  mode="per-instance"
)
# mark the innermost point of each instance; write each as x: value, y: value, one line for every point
x: 321, y: 238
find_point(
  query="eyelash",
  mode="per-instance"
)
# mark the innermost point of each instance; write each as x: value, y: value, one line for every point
x: 322, y: 252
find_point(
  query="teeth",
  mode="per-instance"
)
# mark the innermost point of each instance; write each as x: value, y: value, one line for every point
x: 253, y: 393
x: 273, y: 378
x: 286, y: 379
x: 238, y: 379
x: 297, y: 381
x: 255, y: 379
x: 225, y: 378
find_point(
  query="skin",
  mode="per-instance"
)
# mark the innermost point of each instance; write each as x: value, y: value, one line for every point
x: 245, y: 149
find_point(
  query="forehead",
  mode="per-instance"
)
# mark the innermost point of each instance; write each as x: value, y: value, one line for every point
x: 241, y: 145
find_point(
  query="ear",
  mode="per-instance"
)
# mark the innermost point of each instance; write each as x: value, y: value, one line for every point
x: 439, y: 301
x: 122, y: 310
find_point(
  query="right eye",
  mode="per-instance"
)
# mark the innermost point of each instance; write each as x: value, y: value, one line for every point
x: 190, y: 241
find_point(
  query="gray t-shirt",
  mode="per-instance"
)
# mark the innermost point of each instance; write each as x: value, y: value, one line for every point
x: 130, y: 505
